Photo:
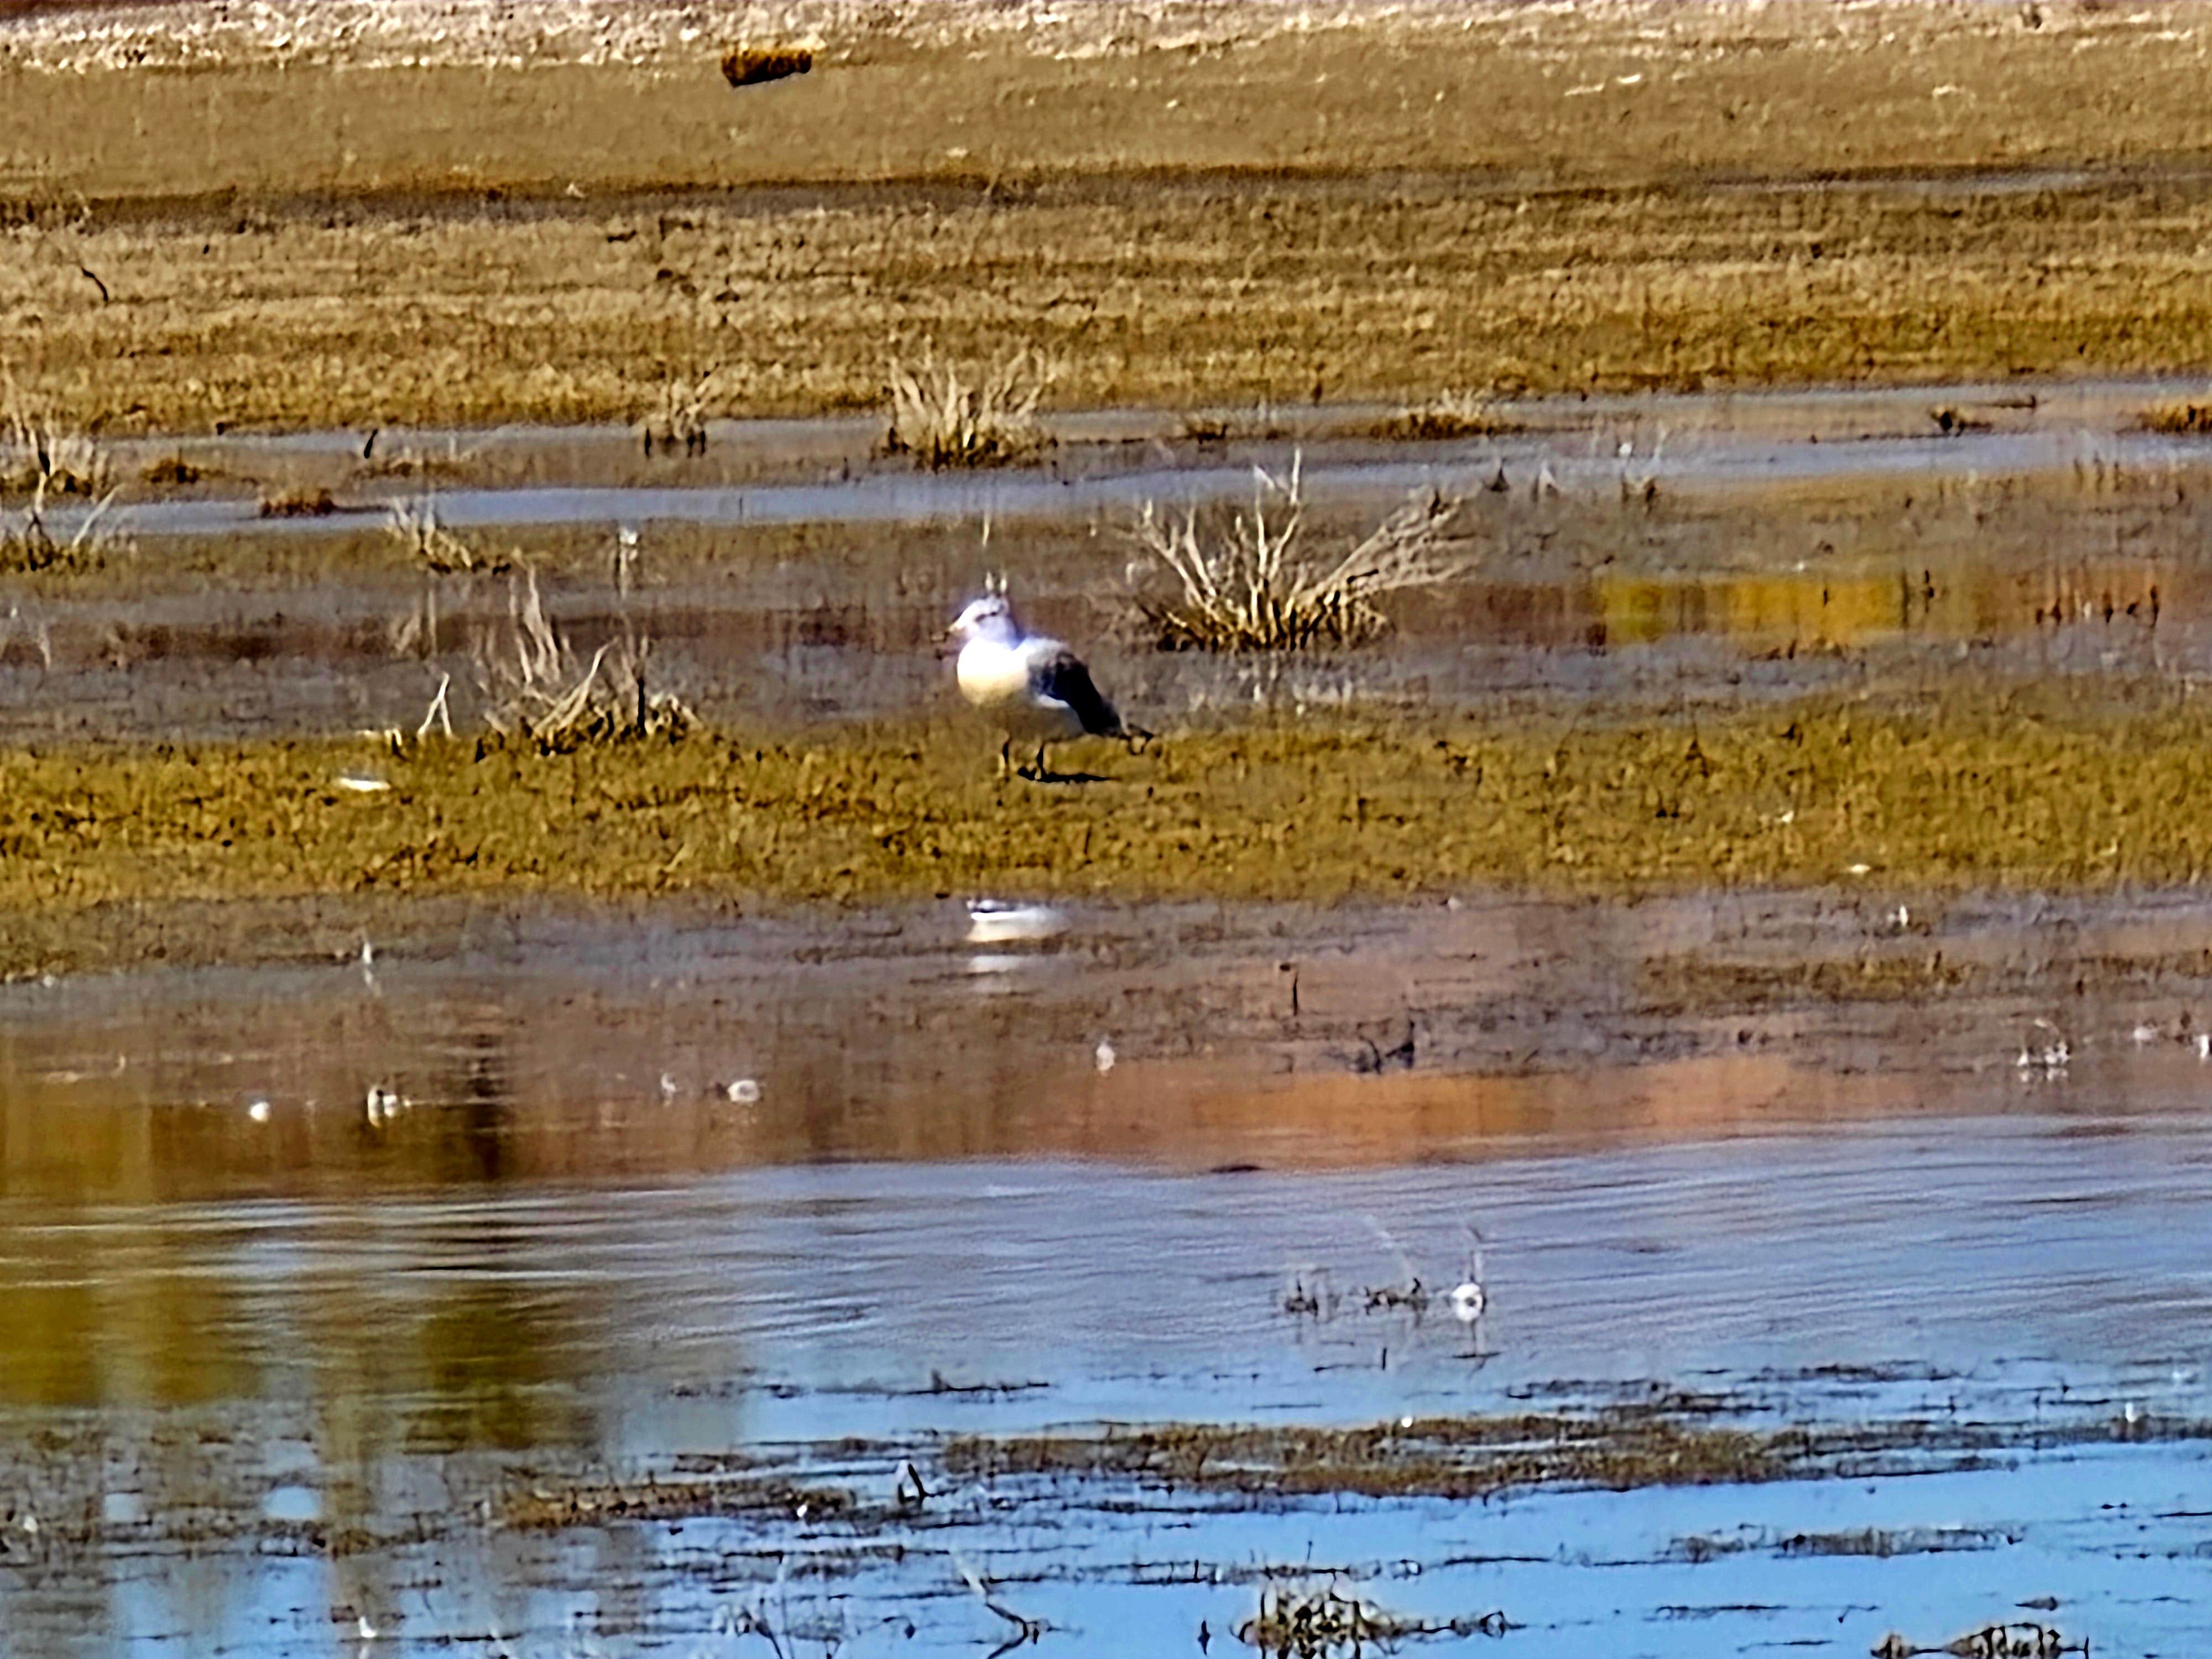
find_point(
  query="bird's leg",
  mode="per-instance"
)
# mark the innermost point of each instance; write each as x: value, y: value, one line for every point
x: 1040, y: 774
x: 1007, y: 755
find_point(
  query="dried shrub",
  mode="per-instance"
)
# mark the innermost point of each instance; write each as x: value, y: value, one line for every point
x: 2180, y: 419
x: 410, y: 463
x: 1308, y: 1621
x: 1454, y: 415
x: 297, y: 503
x: 678, y: 415
x: 535, y: 692
x: 39, y: 458
x: 1260, y: 426
x: 748, y: 66
x: 171, y: 472
x: 35, y: 546
x: 1248, y: 586
x: 943, y: 418
x: 424, y: 541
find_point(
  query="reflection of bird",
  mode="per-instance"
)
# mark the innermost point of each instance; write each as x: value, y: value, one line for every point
x: 1033, y: 687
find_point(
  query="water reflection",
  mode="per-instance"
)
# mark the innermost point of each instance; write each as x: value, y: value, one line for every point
x: 302, y: 1356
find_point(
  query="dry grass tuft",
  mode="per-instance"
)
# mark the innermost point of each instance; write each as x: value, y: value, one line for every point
x: 34, y: 546
x: 2180, y: 419
x: 38, y: 457
x: 535, y: 692
x: 1313, y: 1623
x: 1308, y: 1621
x: 172, y: 472
x: 294, y: 501
x: 414, y: 526
x: 943, y: 419
x: 1454, y: 415
x: 1251, y: 587
x: 754, y: 66
x: 678, y: 415
x: 409, y: 462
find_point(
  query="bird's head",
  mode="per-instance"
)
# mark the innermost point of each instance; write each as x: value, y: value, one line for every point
x: 989, y: 618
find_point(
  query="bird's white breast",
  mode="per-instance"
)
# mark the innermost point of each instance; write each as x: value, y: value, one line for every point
x: 997, y: 679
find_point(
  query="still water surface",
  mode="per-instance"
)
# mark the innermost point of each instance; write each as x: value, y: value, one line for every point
x: 278, y: 1356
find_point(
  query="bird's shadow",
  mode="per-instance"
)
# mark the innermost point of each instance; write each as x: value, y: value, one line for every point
x: 1033, y: 774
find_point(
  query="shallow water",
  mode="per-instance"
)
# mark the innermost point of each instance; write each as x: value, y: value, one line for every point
x: 1804, y: 541
x: 1455, y: 468
x: 279, y: 1361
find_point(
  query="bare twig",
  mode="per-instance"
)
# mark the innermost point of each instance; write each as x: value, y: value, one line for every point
x: 1026, y: 1630
x: 439, y: 715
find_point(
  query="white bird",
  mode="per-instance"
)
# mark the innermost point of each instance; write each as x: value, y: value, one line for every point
x: 1469, y: 1299
x: 1032, y: 687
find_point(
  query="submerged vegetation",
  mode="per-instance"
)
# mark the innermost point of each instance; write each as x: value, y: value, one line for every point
x: 1673, y: 1443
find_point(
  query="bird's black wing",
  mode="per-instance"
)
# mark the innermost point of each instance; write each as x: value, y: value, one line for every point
x: 1063, y: 677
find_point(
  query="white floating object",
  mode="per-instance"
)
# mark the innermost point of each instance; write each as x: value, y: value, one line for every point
x: 743, y: 1092
x: 667, y: 1087
x: 1105, y: 1055
x: 1467, y: 1301
x: 259, y: 1111
x: 30, y: 1524
x: 2143, y: 1034
x: 990, y: 922
x: 1858, y: 869
x: 2204, y: 1045
x: 383, y: 1104
x: 360, y: 784
x: 984, y: 965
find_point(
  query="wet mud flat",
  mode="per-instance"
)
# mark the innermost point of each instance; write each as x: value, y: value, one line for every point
x: 638, y: 1288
